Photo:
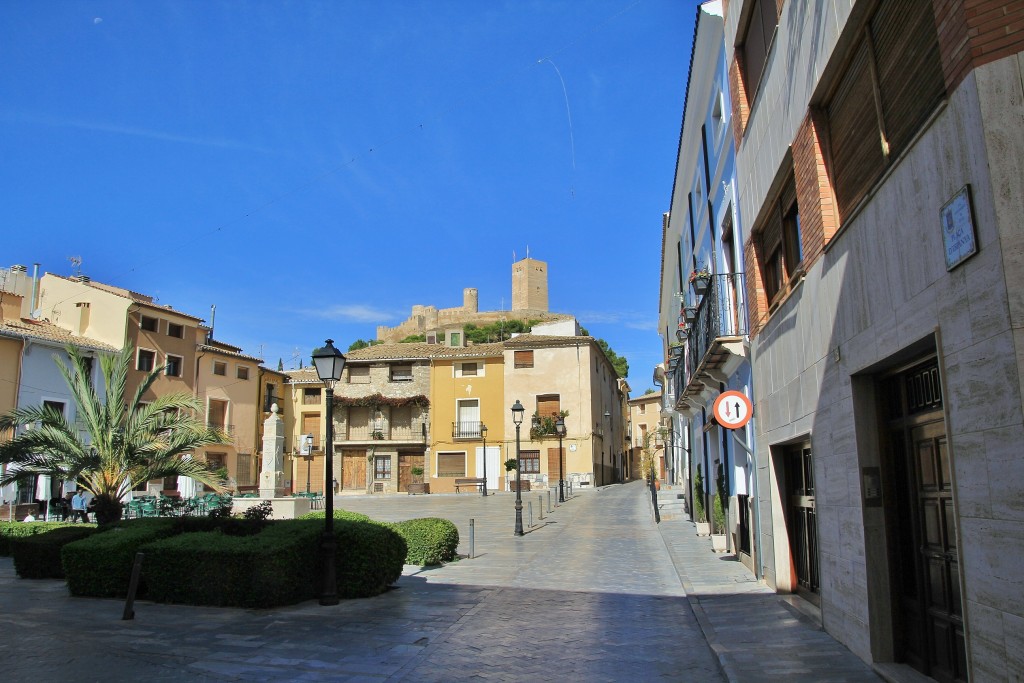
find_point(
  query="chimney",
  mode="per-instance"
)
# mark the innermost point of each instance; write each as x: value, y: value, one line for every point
x: 34, y: 303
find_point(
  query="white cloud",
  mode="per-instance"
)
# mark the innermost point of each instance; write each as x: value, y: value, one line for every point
x: 358, y: 313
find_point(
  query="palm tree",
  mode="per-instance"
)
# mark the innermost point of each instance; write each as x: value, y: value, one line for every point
x: 127, y: 441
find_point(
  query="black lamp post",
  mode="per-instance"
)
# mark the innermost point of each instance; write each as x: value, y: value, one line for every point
x: 517, y: 419
x: 560, y: 430
x: 483, y: 435
x: 329, y: 362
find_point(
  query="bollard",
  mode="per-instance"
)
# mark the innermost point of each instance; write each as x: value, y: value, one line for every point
x: 550, y: 509
x: 529, y: 513
x: 472, y: 539
x: 133, y: 585
x: 540, y: 505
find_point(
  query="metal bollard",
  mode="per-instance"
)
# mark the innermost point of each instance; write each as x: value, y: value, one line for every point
x: 133, y: 585
x: 529, y: 512
x: 550, y: 509
x: 540, y: 505
x: 472, y: 539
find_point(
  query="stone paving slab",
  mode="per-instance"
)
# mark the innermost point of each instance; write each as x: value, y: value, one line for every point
x: 753, y: 632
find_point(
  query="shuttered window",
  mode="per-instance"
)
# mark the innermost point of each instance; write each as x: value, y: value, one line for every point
x: 359, y: 375
x: 548, y: 406
x: 523, y: 359
x: 451, y: 464
x: 758, y: 40
x: 780, y: 243
x: 530, y: 462
x: 891, y: 85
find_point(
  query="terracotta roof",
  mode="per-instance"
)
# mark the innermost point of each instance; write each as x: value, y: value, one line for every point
x: 136, y: 297
x: 535, y: 340
x: 393, y: 351
x: 303, y: 375
x: 647, y: 397
x: 46, y: 331
x: 226, y: 352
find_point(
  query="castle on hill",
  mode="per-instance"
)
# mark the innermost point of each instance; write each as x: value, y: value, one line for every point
x: 529, y: 302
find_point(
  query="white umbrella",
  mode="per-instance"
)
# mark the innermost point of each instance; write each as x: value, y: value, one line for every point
x: 187, y: 487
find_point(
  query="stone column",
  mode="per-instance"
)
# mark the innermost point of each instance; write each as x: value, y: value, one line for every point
x: 271, y: 476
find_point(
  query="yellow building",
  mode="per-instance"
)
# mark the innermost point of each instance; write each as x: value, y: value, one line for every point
x: 304, y: 418
x: 466, y: 395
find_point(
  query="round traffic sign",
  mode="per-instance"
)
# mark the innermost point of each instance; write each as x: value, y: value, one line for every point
x: 733, y: 409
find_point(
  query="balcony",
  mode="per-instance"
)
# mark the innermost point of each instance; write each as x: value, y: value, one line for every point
x: 227, y: 429
x: 466, y: 430
x: 416, y: 432
x: 716, y: 343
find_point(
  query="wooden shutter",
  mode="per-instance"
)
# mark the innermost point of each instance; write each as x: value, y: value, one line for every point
x: 857, y: 158
x: 760, y: 30
x: 909, y: 67
x: 311, y: 425
x: 548, y: 406
x: 451, y: 464
x: 523, y: 359
x: 553, y: 466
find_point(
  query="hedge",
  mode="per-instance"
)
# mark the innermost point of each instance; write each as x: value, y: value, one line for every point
x: 38, y: 556
x: 338, y: 514
x: 101, y: 565
x: 274, y: 567
x: 370, y: 557
x: 11, y: 530
x: 431, y: 540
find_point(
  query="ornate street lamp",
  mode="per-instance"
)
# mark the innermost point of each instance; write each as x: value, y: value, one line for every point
x: 329, y: 362
x: 560, y: 430
x: 517, y: 419
x: 483, y: 435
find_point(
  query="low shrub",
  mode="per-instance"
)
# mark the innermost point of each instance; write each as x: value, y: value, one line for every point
x: 431, y: 540
x: 12, y: 530
x: 275, y: 567
x: 370, y: 557
x: 338, y: 514
x: 261, y: 512
x: 101, y: 565
x: 38, y: 556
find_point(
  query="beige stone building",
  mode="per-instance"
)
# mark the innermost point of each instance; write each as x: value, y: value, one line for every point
x: 879, y: 149
x: 644, y: 423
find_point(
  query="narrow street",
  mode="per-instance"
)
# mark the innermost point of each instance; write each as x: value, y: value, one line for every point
x: 591, y: 593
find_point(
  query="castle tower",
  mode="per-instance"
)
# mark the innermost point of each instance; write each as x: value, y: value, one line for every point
x: 470, y: 300
x: 530, y: 285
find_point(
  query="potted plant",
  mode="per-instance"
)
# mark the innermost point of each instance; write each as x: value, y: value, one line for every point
x: 377, y: 435
x: 690, y: 313
x: 700, y: 279
x: 700, y: 514
x: 718, y: 513
x: 417, y: 485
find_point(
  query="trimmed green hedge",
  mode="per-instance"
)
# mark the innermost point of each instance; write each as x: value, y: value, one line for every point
x: 38, y: 556
x: 101, y: 566
x: 338, y: 514
x: 370, y: 557
x: 431, y: 540
x: 11, y: 530
x: 274, y: 567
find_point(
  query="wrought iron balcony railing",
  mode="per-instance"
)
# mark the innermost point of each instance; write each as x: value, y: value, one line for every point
x: 721, y: 313
x: 466, y: 430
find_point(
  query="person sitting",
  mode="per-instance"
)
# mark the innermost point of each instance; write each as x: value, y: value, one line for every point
x: 29, y: 518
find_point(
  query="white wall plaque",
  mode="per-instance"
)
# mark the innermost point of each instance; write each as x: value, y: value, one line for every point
x: 958, y: 228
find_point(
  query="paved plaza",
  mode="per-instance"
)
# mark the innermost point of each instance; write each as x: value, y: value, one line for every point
x: 595, y: 591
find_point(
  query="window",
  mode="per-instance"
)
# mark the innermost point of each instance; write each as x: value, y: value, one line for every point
x: 220, y: 368
x: 311, y: 425
x: 549, y: 406
x: 173, y: 366
x: 149, y: 324
x: 643, y: 408
x: 467, y: 412
x: 758, y: 39
x: 268, y: 397
x: 242, y: 372
x: 467, y: 370
x: 88, y: 362
x: 522, y: 359
x: 890, y: 87
x: 780, y: 243
x: 245, y: 475
x: 451, y: 464
x: 382, y: 467
x: 359, y: 375
x: 146, y: 360
x: 217, y: 415
x: 175, y: 330
x: 530, y: 462
x: 54, y: 405
x: 455, y: 339
x: 311, y: 397
x: 401, y: 373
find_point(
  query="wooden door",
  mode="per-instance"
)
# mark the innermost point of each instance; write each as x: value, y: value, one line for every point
x: 553, y: 466
x: 405, y: 465
x: 353, y: 470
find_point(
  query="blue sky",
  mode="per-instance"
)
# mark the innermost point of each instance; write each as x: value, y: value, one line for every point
x: 316, y: 168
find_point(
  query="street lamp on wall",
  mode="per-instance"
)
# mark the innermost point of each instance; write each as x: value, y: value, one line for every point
x: 483, y: 436
x: 517, y: 419
x: 329, y: 363
x: 560, y: 430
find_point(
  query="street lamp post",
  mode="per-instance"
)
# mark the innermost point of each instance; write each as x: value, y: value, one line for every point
x: 483, y: 435
x: 307, y: 455
x: 517, y: 419
x: 329, y: 362
x: 560, y: 430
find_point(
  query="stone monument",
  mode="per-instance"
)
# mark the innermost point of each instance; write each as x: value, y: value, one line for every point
x: 271, y: 475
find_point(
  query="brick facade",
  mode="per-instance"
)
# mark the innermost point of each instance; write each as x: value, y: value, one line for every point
x: 738, y: 95
x: 818, y: 220
x: 757, y: 300
x: 976, y: 32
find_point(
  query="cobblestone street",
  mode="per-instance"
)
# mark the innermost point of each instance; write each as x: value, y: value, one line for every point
x: 592, y: 592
